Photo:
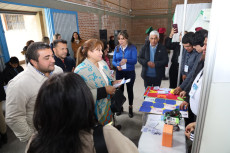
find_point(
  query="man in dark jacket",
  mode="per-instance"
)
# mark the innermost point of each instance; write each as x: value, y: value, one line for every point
x: 153, y: 57
x: 175, y: 46
x: 12, y: 69
x: 60, y: 49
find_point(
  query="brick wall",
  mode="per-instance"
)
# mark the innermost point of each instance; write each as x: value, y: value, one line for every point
x: 110, y: 23
x: 139, y: 27
x: 88, y: 25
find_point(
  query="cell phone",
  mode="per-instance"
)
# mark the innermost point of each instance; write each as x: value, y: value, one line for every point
x: 175, y: 27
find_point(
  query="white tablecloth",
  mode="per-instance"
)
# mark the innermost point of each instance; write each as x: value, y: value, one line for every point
x: 150, y: 143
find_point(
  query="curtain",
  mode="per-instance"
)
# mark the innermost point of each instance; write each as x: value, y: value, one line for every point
x: 192, y: 13
x: 65, y: 24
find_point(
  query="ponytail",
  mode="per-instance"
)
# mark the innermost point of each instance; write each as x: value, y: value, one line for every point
x: 80, y: 55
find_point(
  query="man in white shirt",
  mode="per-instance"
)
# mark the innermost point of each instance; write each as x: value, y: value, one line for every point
x: 22, y: 91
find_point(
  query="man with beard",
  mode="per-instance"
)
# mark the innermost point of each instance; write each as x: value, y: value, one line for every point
x: 22, y: 90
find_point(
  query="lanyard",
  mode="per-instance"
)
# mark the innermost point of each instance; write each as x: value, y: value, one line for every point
x: 187, y: 58
x: 123, y: 52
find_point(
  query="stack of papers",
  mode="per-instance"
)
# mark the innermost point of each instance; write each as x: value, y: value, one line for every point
x: 151, y: 125
x: 122, y: 82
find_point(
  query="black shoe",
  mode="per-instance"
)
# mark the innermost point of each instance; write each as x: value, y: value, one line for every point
x: 1, y: 141
x: 118, y: 127
x: 119, y: 113
x: 4, y: 138
x: 130, y: 112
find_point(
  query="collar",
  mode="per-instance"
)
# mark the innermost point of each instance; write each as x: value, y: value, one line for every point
x: 123, y: 49
x: 152, y: 46
x: 38, y: 75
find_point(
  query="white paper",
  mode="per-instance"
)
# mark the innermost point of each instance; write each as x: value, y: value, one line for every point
x: 156, y: 87
x: 152, y: 117
x: 123, y: 67
x: 162, y: 92
x: 186, y: 68
x: 122, y: 82
x: 152, y: 125
x: 111, y: 54
x: 156, y: 111
x: 151, y: 99
x: 184, y: 114
x: 171, y: 107
x: 165, y: 89
x: 178, y: 102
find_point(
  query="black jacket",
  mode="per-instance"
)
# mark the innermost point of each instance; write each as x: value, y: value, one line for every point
x: 68, y: 65
x: 160, y: 59
x: 175, y: 46
x: 9, y: 72
x: 2, y: 91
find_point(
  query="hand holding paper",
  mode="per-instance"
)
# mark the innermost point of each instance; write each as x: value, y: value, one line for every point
x: 123, y: 81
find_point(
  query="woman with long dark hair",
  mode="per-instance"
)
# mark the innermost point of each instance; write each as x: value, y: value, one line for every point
x: 64, y: 119
x: 76, y: 42
x: 124, y: 60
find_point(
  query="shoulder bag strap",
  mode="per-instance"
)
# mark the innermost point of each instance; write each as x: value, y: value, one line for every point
x: 99, y: 140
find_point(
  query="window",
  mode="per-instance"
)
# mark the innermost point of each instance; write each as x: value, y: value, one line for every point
x: 14, y: 21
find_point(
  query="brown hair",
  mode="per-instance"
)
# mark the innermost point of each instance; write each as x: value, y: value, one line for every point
x: 89, y: 45
x: 29, y: 42
x: 125, y: 35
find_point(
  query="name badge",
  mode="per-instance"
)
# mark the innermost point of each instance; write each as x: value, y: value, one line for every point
x: 186, y: 68
x: 193, y: 90
x: 194, y: 86
x: 123, y: 67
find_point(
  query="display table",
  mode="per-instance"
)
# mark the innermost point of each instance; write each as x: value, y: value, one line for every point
x: 150, y: 143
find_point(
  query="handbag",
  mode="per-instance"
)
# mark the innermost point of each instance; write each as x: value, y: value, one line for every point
x: 117, y: 101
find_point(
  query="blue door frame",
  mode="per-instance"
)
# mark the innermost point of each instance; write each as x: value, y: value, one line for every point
x: 50, y: 22
x: 3, y: 44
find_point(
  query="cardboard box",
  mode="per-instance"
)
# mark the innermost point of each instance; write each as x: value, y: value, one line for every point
x: 167, y: 136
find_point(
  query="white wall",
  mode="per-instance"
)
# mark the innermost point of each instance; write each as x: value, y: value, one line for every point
x: 216, y: 134
x: 16, y: 39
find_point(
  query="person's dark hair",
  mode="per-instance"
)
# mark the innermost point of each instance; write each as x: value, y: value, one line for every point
x: 199, y: 37
x: 14, y: 60
x: 188, y: 38
x: 55, y: 42
x: 124, y: 34
x: 72, y: 39
x: 105, y: 43
x: 32, y: 51
x: 55, y: 36
x: 46, y: 40
x: 29, y: 42
x: 161, y: 39
x: 63, y: 108
x: 110, y: 38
